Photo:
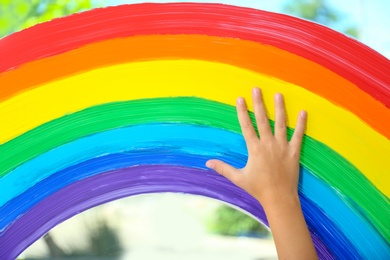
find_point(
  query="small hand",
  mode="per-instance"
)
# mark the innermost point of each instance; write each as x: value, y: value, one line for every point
x: 271, y: 175
x: 272, y: 170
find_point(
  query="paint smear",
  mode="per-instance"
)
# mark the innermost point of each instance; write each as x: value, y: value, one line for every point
x: 116, y: 184
x: 333, y: 50
x: 243, y: 54
x: 328, y: 123
x: 316, y: 157
x: 134, y: 99
x: 178, y: 149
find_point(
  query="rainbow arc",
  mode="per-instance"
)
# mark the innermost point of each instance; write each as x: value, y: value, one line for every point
x: 134, y: 99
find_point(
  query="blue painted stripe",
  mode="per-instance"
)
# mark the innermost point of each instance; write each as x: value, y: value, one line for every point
x: 182, y: 139
x: 318, y: 222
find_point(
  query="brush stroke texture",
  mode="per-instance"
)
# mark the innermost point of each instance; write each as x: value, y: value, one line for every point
x: 340, y: 59
x: 326, y: 47
x: 260, y: 58
x: 359, y: 232
x: 189, y: 139
x: 131, y: 181
x: 315, y: 156
x: 329, y: 124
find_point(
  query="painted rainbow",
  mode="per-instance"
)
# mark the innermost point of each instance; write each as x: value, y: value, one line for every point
x: 134, y: 99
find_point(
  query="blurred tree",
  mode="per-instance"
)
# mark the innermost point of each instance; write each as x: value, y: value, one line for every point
x: 16, y: 15
x: 319, y: 11
x: 232, y: 222
x: 102, y: 240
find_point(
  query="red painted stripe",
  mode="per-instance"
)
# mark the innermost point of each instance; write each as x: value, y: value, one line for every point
x: 350, y: 59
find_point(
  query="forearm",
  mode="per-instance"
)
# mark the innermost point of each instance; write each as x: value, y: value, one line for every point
x: 288, y: 226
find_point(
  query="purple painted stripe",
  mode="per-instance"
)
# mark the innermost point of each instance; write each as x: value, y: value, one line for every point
x: 125, y: 182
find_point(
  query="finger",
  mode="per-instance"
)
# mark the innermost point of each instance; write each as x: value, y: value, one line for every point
x: 224, y: 169
x: 245, y: 122
x: 280, y: 119
x: 261, y: 115
x: 296, y: 140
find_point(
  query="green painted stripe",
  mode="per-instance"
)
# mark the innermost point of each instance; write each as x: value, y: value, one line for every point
x: 316, y: 157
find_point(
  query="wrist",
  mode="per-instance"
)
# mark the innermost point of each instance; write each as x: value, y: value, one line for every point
x: 285, y: 201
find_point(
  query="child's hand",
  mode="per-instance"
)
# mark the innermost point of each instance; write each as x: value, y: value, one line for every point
x: 271, y: 175
x: 272, y: 171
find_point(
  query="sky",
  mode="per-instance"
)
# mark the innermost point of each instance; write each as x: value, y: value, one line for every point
x: 372, y: 16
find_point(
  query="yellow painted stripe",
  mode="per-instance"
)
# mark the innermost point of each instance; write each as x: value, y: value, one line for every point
x: 339, y: 129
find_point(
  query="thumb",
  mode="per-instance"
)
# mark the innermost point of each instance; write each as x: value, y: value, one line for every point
x: 224, y: 169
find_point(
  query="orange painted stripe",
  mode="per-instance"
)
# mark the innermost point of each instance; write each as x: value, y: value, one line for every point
x: 264, y: 59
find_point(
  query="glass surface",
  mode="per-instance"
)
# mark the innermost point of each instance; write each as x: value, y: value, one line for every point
x: 158, y: 226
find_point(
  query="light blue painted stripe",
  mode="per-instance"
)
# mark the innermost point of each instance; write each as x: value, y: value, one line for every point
x: 189, y: 139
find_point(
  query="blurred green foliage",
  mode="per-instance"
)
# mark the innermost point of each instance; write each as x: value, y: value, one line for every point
x: 104, y: 241
x: 232, y: 222
x: 321, y: 12
x: 16, y: 15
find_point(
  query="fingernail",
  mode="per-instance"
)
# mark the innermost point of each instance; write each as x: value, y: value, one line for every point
x: 303, y: 114
x: 240, y: 100
x: 256, y: 91
x: 278, y: 97
x: 209, y: 164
